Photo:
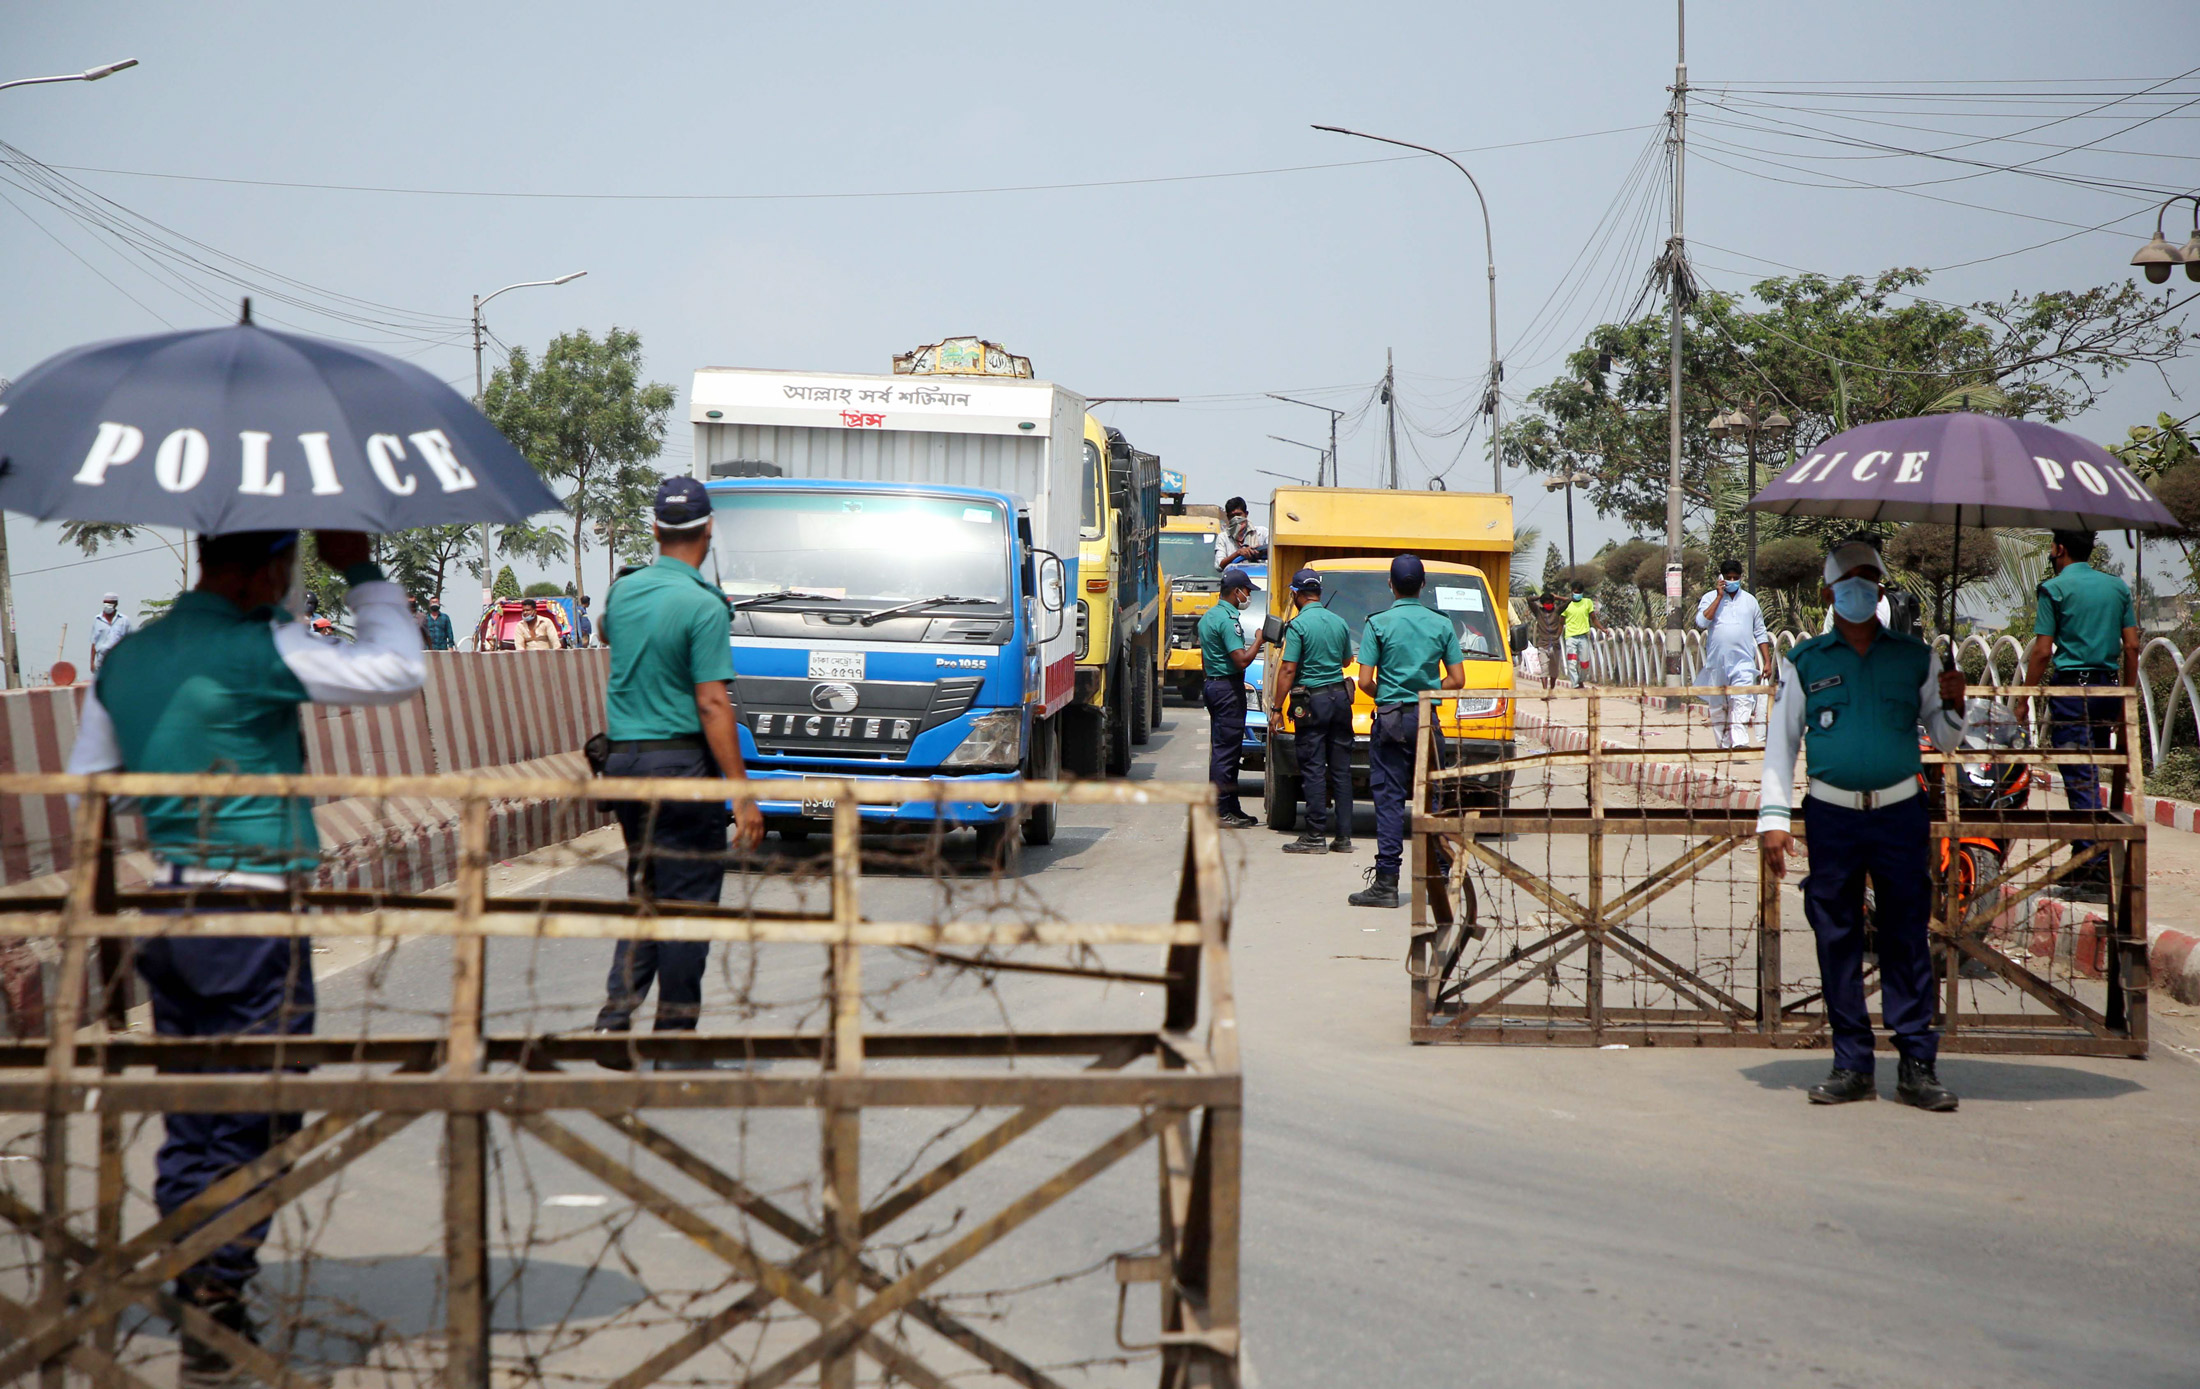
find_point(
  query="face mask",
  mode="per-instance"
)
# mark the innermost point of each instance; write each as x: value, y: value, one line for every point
x: 1237, y: 527
x: 1732, y: 586
x: 107, y: 608
x: 1856, y: 600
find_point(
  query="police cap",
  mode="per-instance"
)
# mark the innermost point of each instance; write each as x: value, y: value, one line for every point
x: 682, y: 504
x: 1407, y: 574
x: 1306, y: 581
x: 1235, y: 578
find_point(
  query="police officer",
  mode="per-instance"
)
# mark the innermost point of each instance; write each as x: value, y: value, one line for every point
x: 1315, y: 647
x: 670, y: 715
x: 1404, y: 649
x: 1224, y: 653
x: 1859, y: 693
x: 2088, y: 631
x: 216, y: 685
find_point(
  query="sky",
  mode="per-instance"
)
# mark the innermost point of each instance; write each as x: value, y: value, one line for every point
x: 792, y: 191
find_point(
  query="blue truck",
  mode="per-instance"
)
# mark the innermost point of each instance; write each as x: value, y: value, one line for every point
x: 900, y: 553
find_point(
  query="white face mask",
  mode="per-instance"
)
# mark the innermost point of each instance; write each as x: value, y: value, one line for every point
x: 107, y: 608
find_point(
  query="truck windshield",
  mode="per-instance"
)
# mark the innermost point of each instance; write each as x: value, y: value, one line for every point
x: 1353, y: 594
x: 1187, y: 555
x: 872, y: 548
x: 1096, y: 479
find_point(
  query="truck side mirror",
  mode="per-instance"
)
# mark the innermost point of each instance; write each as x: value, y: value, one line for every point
x: 1053, y: 590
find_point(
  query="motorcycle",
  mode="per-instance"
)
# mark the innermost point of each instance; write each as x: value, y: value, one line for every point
x: 1976, y: 860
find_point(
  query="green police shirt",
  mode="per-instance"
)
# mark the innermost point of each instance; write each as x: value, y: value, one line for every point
x: 1219, y: 635
x: 669, y: 631
x: 2085, y: 611
x: 1320, y: 643
x: 1409, y: 644
x: 203, y: 689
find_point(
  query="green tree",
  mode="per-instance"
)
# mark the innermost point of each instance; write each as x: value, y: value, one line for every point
x: 1929, y: 552
x: 1792, y: 567
x: 419, y: 558
x: 583, y: 415
x: 1553, y: 564
x: 543, y: 588
x: 507, y: 584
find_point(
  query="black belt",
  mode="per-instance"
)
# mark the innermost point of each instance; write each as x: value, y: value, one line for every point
x: 1334, y: 684
x: 688, y: 742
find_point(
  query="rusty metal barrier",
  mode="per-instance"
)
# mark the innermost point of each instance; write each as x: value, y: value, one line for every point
x: 810, y: 1274
x: 1612, y: 893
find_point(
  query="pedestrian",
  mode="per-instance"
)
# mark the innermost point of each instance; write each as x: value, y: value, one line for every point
x: 2087, y: 633
x: 1550, y: 626
x: 420, y: 620
x: 108, y: 628
x: 216, y: 685
x: 1404, y: 649
x: 1224, y: 653
x: 669, y: 714
x: 536, y: 631
x: 1737, y: 650
x: 584, y: 630
x: 1859, y: 694
x: 1240, y: 541
x: 1316, y: 646
x: 437, y: 629
x: 1581, y: 615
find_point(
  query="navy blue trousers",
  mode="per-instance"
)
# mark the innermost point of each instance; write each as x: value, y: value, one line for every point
x: 223, y: 986
x: 1889, y: 846
x: 1323, y: 741
x: 1390, y: 777
x: 676, y: 852
x: 1225, y: 700
x: 2080, y: 721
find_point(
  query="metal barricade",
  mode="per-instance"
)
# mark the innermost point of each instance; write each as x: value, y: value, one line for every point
x: 825, y: 1255
x: 1614, y: 894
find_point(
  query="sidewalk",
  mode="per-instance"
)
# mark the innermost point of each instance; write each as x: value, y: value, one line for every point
x: 2173, y: 850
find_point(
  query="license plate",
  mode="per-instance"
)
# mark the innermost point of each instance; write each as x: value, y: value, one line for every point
x: 836, y: 665
x: 817, y: 810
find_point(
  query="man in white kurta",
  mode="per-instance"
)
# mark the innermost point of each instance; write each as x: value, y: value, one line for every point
x: 1737, y: 650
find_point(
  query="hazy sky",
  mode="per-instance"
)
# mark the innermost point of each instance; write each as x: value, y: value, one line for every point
x: 1212, y: 288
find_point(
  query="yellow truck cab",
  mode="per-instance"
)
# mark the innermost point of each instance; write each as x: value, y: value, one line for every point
x: 1349, y: 537
x: 1188, y: 568
x: 1118, y: 615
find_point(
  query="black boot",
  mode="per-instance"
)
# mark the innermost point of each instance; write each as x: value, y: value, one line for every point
x: 203, y: 1366
x: 1918, y: 1084
x: 1381, y: 890
x: 1342, y: 844
x: 1238, y: 820
x: 1845, y: 1087
x: 1308, y: 842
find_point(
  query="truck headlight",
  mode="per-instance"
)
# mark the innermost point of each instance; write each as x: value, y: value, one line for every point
x: 995, y: 742
x: 1084, y: 628
x: 1479, y: 707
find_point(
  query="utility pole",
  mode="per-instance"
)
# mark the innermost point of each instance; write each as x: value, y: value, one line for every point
x: 1390, y: 408
x: 488, y: 575
x: 1334, y: 416
x: 1676, y: 265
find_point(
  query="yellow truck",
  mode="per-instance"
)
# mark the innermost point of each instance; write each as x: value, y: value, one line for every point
x: 1349, y: 537
x: 1119, y: 606
x: 1188, y: 568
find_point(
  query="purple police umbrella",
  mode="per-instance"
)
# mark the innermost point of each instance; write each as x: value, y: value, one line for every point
x: 243, y: 428
x: 1966, y: 470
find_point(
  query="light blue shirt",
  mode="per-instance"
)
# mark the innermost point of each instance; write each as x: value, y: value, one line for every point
x: 1731, y: 639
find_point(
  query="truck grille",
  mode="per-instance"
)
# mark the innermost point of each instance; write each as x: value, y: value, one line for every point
x: 803, y: 717
x: 1183, y: 630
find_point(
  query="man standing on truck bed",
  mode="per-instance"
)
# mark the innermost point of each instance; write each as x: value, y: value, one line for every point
x: 1241, y: 542
x: 669, y: 715
x: 1315, y: 647
x: 1404, y: 649
x: 1224, y: 655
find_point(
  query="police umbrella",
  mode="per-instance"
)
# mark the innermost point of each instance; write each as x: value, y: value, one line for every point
x: 244, y: 428
x: 1966, y: 470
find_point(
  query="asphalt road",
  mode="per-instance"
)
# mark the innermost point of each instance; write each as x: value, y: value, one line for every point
x: 1425, y: 1216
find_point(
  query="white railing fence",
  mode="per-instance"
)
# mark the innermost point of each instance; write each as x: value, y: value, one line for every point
x: 1636, y: 656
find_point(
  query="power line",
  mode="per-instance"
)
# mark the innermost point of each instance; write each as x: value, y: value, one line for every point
x: 828, y: 196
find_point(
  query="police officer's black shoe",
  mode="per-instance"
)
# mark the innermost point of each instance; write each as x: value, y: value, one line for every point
x: 1845, y: 1087
x: 1309, y: 842
x: 1381, y: 890
x: 1918, y: 1084
x: 205, y: 1367
x: 1239, y: 820
x: 1342, y: 844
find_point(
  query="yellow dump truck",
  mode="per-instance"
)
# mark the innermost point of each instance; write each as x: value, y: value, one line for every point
x: 1349, y: 537
x: 1188, y: 568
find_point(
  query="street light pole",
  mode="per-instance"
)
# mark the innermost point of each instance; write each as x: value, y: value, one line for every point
x: 488, y: 578
x: 1327, y: 458
x: 1567, y: 480
x: 11, y: 669
x: 1334, y: 416
x: 1489, y: 247
x: 1750, y: 423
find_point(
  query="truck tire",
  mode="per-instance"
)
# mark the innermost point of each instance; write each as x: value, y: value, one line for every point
x: 1045, y: 765
x: 1141, y: 682
x: 1280, y: 797
x: 1160, y: 685
x: 1082, y: 730
x: 1119, y: 720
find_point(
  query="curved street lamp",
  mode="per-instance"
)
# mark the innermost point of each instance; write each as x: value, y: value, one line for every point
x: 2158, y: 258
x: 488, y: 575
x: 1489, y: 247
x: 1749, y: 425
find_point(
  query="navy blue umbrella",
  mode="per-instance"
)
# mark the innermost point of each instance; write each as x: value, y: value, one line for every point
x: 242, y: 428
